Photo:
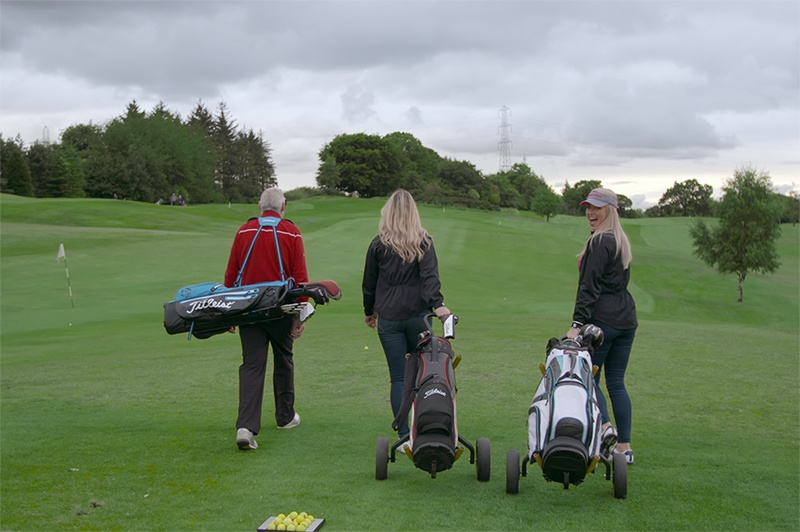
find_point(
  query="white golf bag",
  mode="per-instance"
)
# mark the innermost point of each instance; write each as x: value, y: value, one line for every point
x: 564, y: 421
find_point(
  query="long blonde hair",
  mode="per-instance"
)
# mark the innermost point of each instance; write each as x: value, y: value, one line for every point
x: 400, y: 228
x: 612, y: 225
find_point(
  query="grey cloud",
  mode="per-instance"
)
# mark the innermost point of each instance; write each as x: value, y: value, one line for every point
x: 357, y: 104
x: 587, y: 81
x: 414, y: 116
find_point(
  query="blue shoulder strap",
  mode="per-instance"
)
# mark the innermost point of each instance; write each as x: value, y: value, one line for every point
x: 263, y: 221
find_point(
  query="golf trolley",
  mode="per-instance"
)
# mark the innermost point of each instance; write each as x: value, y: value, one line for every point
x: 433, y: 443
x: 564, y: 421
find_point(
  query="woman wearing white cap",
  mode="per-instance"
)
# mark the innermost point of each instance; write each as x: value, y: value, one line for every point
x: 603, y: 299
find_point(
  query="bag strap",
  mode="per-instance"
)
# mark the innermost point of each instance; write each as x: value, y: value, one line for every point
x: 263, y: 221
x: 272, y: 221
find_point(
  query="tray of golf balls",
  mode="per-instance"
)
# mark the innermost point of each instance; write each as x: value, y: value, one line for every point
x: 292, y: 522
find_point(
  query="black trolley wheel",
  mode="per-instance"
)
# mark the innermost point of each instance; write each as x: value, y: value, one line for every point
x: 382, y: 458
x: 512, y: 471
x: 620, y: 475
x: 483, y: 459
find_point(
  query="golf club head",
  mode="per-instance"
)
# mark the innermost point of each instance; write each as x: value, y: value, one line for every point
x: 591, y: 336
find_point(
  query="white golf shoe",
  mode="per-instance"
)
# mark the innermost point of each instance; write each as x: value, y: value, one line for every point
x: 293, y: 423
x: 245, y: 440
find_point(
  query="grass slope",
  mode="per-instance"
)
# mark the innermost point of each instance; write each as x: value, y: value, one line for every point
x: 107, y: 423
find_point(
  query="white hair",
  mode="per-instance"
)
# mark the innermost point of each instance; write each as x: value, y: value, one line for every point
x: 271, y: 200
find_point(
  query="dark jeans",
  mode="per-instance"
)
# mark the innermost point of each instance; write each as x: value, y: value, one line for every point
x: 612, y: 360
x: 256, y: 340
x: 399, y: 337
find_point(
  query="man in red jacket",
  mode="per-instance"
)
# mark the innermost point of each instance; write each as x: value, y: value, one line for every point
x: 263, y: 266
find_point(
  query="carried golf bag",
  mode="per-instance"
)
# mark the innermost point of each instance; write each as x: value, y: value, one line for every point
x: 564, y: 421
x: 206, y: 309
x: 429, y: 393
x: 209, y: 309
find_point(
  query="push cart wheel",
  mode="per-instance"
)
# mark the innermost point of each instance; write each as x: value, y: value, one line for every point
x: 620, y: 476
x: 484, y: 459
x: 512, y: 471
x: 382, y: 458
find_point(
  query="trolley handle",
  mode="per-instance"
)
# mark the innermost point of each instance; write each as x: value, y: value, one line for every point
x: 448, y: 325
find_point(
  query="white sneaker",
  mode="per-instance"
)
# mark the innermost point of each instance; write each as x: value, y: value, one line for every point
x: 245, y: 440
x: 628, y: 455
x: 293, y: 423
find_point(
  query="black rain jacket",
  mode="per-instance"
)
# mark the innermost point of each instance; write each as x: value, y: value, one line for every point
x: 603, y: 294
x: 395, y: 290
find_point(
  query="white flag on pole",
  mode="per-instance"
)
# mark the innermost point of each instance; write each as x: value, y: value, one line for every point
x: 61, y: 254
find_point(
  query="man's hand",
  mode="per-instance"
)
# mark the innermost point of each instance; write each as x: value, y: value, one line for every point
x: 297, y: 330
x: 371, y: 321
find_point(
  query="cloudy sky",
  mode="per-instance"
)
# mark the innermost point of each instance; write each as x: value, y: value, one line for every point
x: 638, y: 94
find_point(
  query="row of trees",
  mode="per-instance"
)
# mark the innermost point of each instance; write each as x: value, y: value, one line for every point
x: 205, y: 158
x: 144, y: 157
x: 371, y: 165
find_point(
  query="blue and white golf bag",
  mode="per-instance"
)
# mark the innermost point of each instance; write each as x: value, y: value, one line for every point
x: 564, y: 421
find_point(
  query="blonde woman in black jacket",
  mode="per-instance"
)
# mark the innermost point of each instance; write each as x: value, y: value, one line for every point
x: 400, y: 286
x: 603, y: 299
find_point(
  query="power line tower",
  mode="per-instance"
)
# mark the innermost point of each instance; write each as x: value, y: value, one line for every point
x: 45, y: 136
x: 504, y: 146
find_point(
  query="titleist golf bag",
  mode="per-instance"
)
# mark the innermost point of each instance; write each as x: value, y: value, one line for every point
x: 429, y: 393
x: 214, y: 310
x: 206, y: 309
x: 564, y: 422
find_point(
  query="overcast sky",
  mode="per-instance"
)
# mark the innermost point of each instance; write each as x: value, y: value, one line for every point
x: 637, y: 94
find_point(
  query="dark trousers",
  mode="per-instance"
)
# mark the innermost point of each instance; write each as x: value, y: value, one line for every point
x: 399, y: 337
x: 256, y: 340
x: 612, y: 360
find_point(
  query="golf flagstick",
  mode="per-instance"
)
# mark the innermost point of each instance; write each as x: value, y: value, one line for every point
x: 62, y: 255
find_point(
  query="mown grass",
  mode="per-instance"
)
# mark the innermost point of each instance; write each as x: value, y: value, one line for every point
x: 107, y: 423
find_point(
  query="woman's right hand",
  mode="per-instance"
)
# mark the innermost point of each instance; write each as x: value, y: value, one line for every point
x: 442, y: 312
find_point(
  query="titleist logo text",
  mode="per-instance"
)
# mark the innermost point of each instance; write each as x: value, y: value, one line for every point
x: 433, y: 391
x: 209, y: 303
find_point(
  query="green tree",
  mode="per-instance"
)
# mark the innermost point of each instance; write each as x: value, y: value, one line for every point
x: 225, y: 167
x: 254, y: 169
x: 547, y: 203
x: 328, y: 175
x: 87, y: 143
x: 44, y: 164
x: 202, y: 121
x: 461, y: 182
x: 687, y: 198
x: 156, y: 155
x: 504, y: 194
x: 15, y: 174
x: 418, y: 165
x: 625, y: 206
x: 69, y: 181
x: 368, y: 164
x: 790, y: 212
x: 744, y: 239
x: 527, y: 183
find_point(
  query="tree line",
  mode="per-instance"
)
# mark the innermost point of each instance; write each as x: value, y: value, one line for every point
x: 205, y: 158
x: 145, y: 157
